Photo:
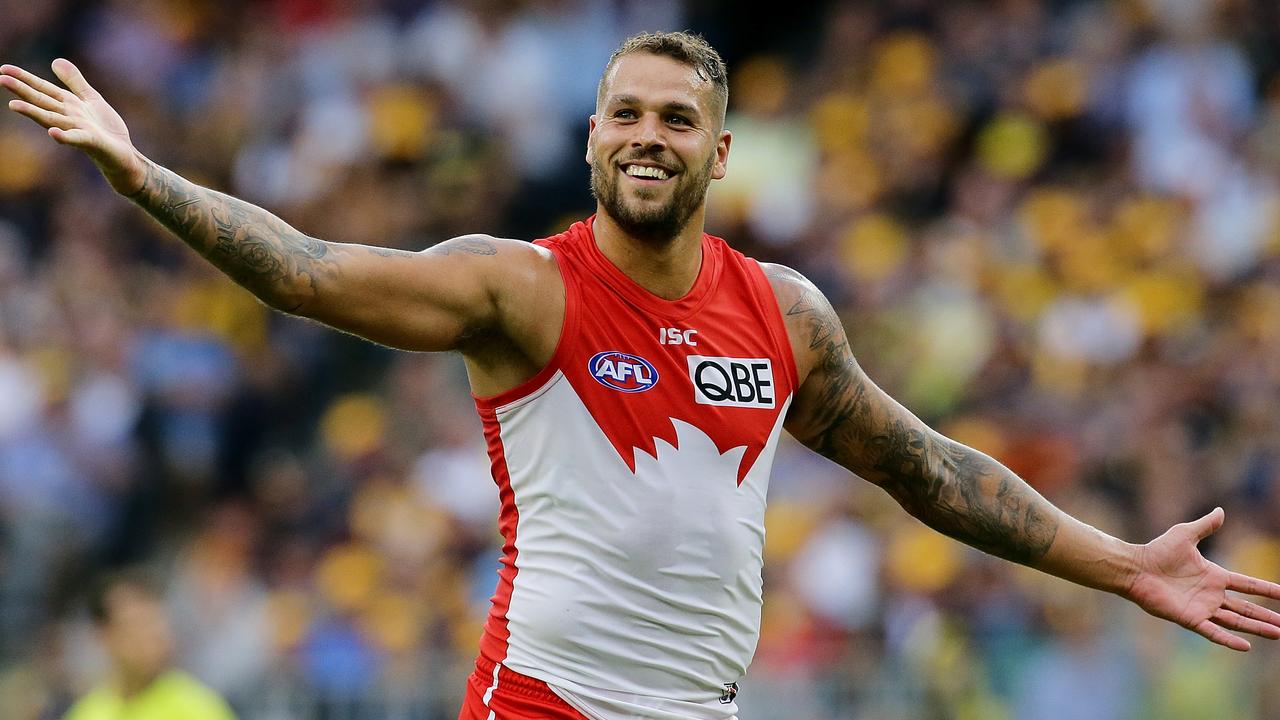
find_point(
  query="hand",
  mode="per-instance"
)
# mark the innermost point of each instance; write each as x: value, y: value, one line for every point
x: 1177, y: 583
x: 78, y: 117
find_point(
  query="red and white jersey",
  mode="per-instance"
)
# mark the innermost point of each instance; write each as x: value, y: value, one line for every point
x: 632, y: 472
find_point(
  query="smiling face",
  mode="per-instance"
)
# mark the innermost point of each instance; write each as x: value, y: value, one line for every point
x: 657, y: 141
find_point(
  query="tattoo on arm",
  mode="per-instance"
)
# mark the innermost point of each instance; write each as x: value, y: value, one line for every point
x: 279, y: 264
x: 950, y: 487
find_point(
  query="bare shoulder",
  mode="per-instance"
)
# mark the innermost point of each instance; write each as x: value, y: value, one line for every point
x: 511, y: 262
x: 476, y: 244
x: 785, y: 281
x: 519, y: 263
x: 813, y: 327
x: 454, y: 295
x: 524, y: 278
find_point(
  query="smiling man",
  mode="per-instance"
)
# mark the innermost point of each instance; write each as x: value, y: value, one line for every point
x: 634, y: 374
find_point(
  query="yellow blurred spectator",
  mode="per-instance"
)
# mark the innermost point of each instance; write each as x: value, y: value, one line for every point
x: 402, y: 121
x: 348, y: 576
x: 840, y: 121
x: 216, y: 305
x: 290, y: 614
x: 1057, y: 89
x: 394, y: 622
x: 1053, y: 217
x: 921, y: 560
x: 874, y: 247
x: 1023, y: 290
x: 1013, y: 146
x: 761, y: 85
x: 1145, y: 227
x: 787, y: 525
x: 24, y: 162
x: 1167, y: 300
x: 917, y: 127
x: 354, y: 425
x: 903, y: 64
x: 848, y: 181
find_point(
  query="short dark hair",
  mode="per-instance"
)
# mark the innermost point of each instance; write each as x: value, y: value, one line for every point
x: 137, y: 579
x: 682, y: 46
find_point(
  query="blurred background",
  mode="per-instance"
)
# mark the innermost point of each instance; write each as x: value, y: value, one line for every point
x: 1052, y: 229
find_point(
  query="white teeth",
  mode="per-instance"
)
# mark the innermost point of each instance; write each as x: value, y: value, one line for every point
x: 647, y: 172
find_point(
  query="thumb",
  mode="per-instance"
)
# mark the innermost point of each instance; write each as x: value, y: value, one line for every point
x: 1208, y: 525
x: 74, y: 136
x: 71, y: 76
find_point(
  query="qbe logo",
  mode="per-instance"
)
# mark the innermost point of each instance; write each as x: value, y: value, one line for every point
x: 732, y: 382
x: 623, y: 371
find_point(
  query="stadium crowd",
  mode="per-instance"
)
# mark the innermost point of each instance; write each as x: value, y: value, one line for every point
x: 1052, y: 229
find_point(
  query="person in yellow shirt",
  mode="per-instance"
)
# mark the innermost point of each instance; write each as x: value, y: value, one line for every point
x: 142, y: 683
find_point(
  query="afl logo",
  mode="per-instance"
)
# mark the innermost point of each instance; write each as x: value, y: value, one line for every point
x: 623, y: 371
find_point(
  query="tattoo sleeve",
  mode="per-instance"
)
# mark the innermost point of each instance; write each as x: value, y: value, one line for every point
x: 950, y: 487
x: 277, y: 263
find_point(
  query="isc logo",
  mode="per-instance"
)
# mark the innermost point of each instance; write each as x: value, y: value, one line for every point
x: 676, y: 336
x: 622, y: 371
x: 732, y: 382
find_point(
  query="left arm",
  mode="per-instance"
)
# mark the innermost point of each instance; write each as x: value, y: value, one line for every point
x: 839, y: 412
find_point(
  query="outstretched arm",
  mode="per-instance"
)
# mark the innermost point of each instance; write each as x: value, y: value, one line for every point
x: 433, y: 300
x: 842, y: 414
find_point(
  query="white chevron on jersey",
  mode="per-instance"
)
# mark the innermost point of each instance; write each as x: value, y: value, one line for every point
x: 644, y: 580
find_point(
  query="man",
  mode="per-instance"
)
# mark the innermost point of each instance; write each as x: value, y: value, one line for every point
x: 142, y: 683
x: 633, y: 375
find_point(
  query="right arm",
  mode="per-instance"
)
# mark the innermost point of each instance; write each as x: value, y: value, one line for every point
x: 438, y: 299
x: 430, y: 300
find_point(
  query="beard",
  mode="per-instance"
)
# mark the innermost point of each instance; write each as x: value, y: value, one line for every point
x: 656, y: 224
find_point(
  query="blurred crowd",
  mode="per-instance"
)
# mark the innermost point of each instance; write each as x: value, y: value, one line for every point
x: 1052, y: 229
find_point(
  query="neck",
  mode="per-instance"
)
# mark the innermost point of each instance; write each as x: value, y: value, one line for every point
x: 667, y: 270
x: 132, y: 683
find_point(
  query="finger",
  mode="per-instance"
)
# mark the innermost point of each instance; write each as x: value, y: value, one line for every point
x: 1252, y: 610
x: 1235, y: 621
x: 35, y: 81
x: 29, y: 94
x: 70, y: 76
x: 76, y: 137
x: 1214, y: 633
x: 44, y: 117
x: 1207, y: 525
x: 1252, y: 585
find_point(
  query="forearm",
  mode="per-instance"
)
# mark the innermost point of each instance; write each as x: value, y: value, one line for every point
x: 971, y: 497
x: 261, y: 252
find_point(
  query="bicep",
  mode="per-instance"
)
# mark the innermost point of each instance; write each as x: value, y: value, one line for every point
x: 841, y: 414
x: 838, y: 411
x: 429, y: 300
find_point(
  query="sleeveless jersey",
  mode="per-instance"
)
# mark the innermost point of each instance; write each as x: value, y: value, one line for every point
x: 632, y: 472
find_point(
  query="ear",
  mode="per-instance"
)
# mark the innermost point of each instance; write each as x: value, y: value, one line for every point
x: 722, y: 155
x: 591, y: 131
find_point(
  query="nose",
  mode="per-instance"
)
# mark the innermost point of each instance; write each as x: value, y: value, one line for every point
x: 650, y: 134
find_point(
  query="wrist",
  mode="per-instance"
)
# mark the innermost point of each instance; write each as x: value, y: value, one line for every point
x: 1087, y: 556
x: 130, y: 180
x: 1129, y: 570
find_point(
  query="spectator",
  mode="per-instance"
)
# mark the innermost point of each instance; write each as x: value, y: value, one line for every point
x: 141, y: 683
